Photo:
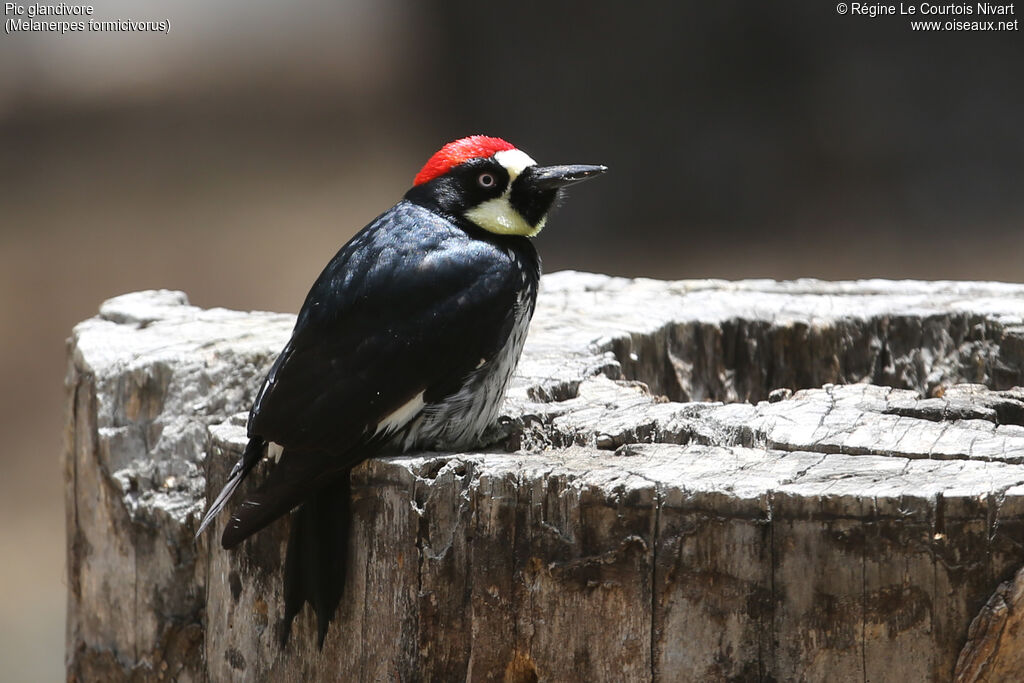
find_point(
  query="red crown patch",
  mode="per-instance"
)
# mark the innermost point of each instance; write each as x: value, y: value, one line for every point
x: 459, y: 152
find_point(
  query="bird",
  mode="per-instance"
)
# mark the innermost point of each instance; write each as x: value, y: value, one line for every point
x: 406, y: 341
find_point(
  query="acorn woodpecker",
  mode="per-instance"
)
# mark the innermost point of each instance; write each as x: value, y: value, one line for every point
x: 407, y: 340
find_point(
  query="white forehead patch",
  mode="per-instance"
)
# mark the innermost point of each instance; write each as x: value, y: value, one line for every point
x: 515, y: 162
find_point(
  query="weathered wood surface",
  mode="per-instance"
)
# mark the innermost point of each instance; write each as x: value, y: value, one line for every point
x: 848, y: 531
x: 995, y: 641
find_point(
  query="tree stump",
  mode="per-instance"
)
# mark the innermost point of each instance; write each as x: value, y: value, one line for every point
x: 696, y: 480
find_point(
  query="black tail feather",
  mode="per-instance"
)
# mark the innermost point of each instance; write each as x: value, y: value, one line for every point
x: 316, y: 563
x: 289, y: 484
x: 252, y: 455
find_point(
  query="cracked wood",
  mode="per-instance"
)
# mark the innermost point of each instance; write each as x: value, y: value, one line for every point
x: 634, y: 518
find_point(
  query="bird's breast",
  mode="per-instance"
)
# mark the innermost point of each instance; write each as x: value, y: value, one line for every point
x: 458, y: 421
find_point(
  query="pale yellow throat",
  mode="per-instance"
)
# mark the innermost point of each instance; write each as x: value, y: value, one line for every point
x: 497, y: 215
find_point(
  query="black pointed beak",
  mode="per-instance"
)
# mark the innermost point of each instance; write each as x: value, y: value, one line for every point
x: 554, y: 177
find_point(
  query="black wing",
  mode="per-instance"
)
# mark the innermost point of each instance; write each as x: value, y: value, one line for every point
x: 398, y: 311
x: 411, y: 304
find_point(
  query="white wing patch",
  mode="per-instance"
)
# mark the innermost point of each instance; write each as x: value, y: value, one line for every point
x: 400, y: 417
x: 274, y: 451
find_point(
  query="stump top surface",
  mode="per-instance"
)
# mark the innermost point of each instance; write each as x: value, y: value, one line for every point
x: 571, y: 412
x: 857, y: 509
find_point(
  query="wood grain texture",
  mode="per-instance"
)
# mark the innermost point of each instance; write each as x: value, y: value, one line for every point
x: 995, y: 641
x: 696, y: 480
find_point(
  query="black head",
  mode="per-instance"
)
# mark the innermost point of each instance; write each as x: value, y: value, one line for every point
x: 493, y: 185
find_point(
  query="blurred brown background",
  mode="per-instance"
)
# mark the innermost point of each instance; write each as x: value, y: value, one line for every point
x: 233, y: 156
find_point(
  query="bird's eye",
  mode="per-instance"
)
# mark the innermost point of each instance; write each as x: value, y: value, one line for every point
x: 485, y: 180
